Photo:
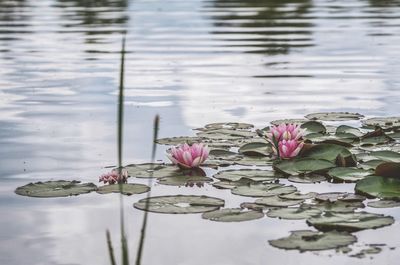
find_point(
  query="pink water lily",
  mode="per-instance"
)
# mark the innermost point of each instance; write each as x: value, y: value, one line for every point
x: 188, y: 156
x: 289, y: 148
x: 284, y: 132
x: 114, y: 177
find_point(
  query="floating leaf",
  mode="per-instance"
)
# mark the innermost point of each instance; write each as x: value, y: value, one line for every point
x: 275, y: 201
x: 226, y: 134
x: 223, y: 155
x: 350, y: 222
x: 384, y: 204
x: 127, y: 189
x: 334, y: 116
x: 339, y: 196
x: 388, y: 156
x: 182, y: 180
x: 298, y: 196
x: 256, y: 149
x: 250, y: 174
x: 306, y: 240
x: 289, y: 121
x: 329, y: 152
x: 349, y: 130
x: 232, y: 215
x: 379, y: 187
x: 388, y: 169
x: 337, y: 207
x: 179, y: 140
x: 231, y: 184
x: 293, y: 213
x: 314, y: 127
x: 148, y: 170
x: 180, y: 204
x: 383, y: 122
x: 371, y: 164
x: 307, y: 179
x: 254, y: 161
x: 263, y: 190
x: 348, y: 174
x: 255, y: 207
x: 302, y: 166
x: 57, y: 188
x: 228, y: 125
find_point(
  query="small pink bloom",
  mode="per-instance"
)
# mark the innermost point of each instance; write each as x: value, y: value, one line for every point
x: 285, y: 132
x: 289, y: 148
x: 188, y: 156
x: 114, y: 177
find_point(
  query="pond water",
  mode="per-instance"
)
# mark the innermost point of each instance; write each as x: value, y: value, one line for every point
x: 192, y: 62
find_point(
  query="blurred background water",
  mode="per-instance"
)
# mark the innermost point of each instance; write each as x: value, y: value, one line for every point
x: 193, y: 62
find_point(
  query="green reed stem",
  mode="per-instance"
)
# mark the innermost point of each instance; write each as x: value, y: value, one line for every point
x: 145, y: 216
x: 110, y: 248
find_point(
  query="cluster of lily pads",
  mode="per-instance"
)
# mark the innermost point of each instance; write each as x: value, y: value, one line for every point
x: 331, y: 152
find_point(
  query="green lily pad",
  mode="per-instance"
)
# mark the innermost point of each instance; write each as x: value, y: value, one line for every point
x: 388, y: 169
x: 388, y: 156
x: 57, y: 188
x: 314, y: 127
x: 255, y: 207
x: 384, y: 204
x: 224, y: 184
x: 187, y: 181
x: 379, y: 187
x: 148, y: 170
x: 228, y: 125
x: 329, y: 152
x: 375, y: 140
x: 339, y: 196
x: 275, y: 201
x: 293, y: 213
x: 223, y: 155
x: 383, y: 122
x: 226, y: 134
x: 349, y: 130
x: 370, y: 164
x: 127, y: 189
x: 232, y: 215
x: 348, y: 174
x: 180, y: 204
x: 263, y: 190
x: 350, y: 222
x: 254, y: 161
x: 337, y: 206
x: 256, y: 149
x: 306, y: 240
x: 179, y: 140
x: 250, y: 174
x: 334, y: 116
x: 307, y: 179
x: 289, y: 121
x: 394, y: 135
x: 302, y: 166
x: 298, y: 196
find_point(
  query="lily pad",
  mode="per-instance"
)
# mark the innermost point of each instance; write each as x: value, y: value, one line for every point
x: 232, y: 215
x: 148, y: 170
x: 334, y: 116
x: 250, y: 174
x: 293, y: 213
x: 226, y: 134
x: 307, y: 179
x: 229, y: 125
x: 256, y: 149
x: 348, y: 174
x: 302, y: 166
x: 339, y: 196
x: 224, y: 155
x: 179, y: 140
x: 275, y: 201
x: 289, y: 121
x: 254, y: 161
x: 58, y: 188
x: 329, y: 152
x: 127, y: 189
x: 349, y: 130
x: 337, y: 207
x: 187, y: 181
x: 388, y: 156
x: 314, y: 127
x: 263, y: 190
x: 383, y: 122
x: 370, y: 164
x: 180, y: 204
x: 384, y: 204
x: 379, y: 187
x: 255, y: 207
x: 306, y: 240
x: 350, y: 222
x: 224, y: 184
x: 298, y: 196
